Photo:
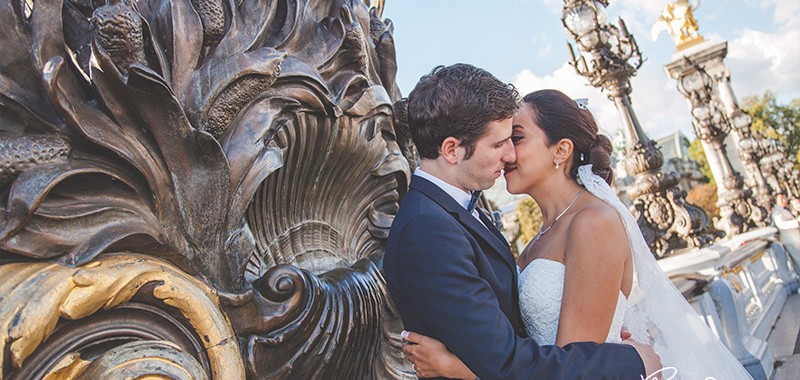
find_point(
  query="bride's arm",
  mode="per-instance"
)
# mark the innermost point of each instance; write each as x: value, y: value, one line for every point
x: 595, y: 255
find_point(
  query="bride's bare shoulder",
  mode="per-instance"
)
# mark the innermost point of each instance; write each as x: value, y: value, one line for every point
x: 597, y: 214
x: 595, y: 227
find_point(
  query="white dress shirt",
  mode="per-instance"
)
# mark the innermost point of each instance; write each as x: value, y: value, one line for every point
x: 784, y: 219
x: 460, y: 196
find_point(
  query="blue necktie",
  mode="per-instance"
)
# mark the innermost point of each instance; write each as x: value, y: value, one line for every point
x: 473, y: 202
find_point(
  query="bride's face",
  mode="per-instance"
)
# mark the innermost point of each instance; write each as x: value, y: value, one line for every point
x: 534, y: 158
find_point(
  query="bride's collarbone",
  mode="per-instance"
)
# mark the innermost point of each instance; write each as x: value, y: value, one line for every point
x: 549, y: 247
x: 552, y: 245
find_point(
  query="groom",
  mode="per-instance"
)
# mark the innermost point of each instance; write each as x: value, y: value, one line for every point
x: 448, y: 269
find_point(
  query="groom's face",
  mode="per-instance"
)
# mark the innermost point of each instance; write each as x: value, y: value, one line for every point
x: 492, y: 152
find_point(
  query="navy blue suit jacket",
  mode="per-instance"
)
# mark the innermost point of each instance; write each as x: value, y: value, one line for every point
x: 454, y: 279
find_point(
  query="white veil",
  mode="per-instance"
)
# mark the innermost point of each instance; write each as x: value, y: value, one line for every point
x: 658, y: 314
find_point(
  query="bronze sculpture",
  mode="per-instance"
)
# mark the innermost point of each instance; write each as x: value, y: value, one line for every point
x: 205, y: 183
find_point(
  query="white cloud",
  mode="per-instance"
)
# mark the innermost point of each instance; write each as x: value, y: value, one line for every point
x: 784, y: 9
x: 660, y: 109
x: 762, y: 61
x: 759, y: 60
x: 567, y: 81
x: 639, y: 15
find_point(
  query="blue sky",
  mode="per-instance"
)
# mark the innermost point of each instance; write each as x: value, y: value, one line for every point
x: 523, y: 42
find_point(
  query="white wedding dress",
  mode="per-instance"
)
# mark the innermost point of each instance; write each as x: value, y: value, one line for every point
x: 541, y: 286
x: 655, y: 312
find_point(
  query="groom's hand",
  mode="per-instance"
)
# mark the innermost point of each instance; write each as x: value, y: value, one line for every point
x: 651, y: 360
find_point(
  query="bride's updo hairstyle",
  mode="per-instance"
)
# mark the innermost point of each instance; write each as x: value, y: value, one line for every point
x: 560, y: 117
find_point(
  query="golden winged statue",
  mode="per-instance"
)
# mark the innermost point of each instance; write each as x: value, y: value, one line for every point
x: 678, y: 19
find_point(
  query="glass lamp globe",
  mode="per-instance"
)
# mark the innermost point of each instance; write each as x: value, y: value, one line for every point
x: 580, y: 19
x: 692, y: 82
x: 701, y: 112
x: 747, y: 144
x: 741, y: 120
x: 589, y: 41
x: 602, y: 18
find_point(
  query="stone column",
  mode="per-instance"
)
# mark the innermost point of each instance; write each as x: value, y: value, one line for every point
x: 711, y: 124
x: 779, y: 171
x: 743, y: 143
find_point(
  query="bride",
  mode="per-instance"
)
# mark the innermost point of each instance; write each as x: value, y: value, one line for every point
x: 577, y: 281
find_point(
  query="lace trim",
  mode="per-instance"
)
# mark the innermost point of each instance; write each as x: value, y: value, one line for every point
x: 541, y: 288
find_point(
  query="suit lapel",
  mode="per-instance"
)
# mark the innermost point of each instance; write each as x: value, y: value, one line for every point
x: 509, y: 258
x: 494, y: 239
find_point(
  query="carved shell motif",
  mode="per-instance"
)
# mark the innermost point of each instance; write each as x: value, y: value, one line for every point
x: 209, y: 168
x: 334, y: 195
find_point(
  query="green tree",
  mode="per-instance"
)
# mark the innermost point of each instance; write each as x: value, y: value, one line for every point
x: 697, y: 153
x: 778, y: 121
x: 529, y: 220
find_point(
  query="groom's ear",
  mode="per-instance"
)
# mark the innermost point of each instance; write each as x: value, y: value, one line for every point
x: 563, y: 150
x: 451, y: 150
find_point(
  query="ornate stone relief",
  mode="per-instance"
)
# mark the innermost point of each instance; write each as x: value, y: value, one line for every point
x: 248, y: 146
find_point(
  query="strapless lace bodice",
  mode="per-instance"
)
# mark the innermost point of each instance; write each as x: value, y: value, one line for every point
x: 541, y: 286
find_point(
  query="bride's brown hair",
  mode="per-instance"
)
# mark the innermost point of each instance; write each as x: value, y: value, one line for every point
x: 559, y: 116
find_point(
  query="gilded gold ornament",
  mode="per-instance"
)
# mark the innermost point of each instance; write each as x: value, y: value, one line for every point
x: 37, y: 295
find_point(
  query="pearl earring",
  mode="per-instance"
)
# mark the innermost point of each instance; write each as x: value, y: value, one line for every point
x: 556, y: 162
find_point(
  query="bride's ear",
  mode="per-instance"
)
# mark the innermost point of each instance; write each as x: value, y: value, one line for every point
x: 563, y: 150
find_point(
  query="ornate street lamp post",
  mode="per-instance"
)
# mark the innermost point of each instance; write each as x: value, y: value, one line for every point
x: 744, y: 143
x: 779, y: 172
x: 750, y: 153
x: 704, y: 80
x: 769, y: 161
x: 608, y: 56
x: 737, y: 209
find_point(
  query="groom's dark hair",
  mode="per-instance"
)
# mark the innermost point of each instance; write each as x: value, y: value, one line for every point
x: 458, y: 101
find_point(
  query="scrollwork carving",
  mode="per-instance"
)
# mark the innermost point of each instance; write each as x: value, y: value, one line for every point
x: 38, y: 294
x: 669, y: 223
x: 305, y: 320
x: 643, y: 157
x: 241, y: 141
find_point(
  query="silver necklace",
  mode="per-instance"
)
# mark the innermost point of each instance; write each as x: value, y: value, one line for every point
x: 545, y: 229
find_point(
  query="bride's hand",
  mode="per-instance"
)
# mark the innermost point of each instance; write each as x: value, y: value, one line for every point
x: 624, y: 334
x: 430, y: 358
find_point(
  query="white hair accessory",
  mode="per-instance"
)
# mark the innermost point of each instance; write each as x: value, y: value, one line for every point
x: 583, y: 103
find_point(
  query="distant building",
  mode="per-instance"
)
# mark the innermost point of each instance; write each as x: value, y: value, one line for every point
x: 675, y: 148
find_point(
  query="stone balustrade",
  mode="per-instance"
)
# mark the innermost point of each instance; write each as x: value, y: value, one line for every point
x: 738, y: 286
